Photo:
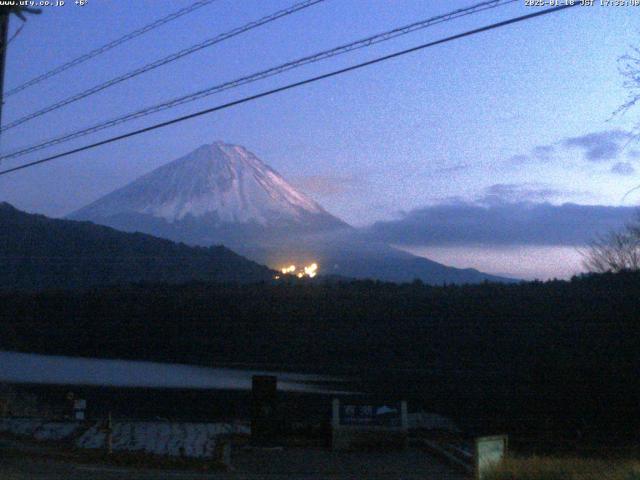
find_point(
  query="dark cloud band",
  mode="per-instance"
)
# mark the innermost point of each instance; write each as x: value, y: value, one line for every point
x: 600, y: 146
x: 604, y: 146
x: 504, y: 224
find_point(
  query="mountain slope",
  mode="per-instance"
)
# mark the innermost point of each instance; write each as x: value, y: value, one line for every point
x: 223, y: 194
x: 217, y: 184
x: 39, y: 252
x: 348, y: 253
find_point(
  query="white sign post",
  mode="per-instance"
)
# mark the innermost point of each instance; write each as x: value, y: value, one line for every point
x: 79, y: 408
x: 489, y: 451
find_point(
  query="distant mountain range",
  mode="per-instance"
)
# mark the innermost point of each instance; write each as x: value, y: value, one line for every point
x: 38, y: 252
x: 224, y: 194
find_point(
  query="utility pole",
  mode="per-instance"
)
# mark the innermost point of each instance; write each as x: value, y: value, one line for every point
x: 4, y: 38
x: 5, y: 12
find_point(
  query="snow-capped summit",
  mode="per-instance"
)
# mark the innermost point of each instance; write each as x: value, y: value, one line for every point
x: 224, y: 182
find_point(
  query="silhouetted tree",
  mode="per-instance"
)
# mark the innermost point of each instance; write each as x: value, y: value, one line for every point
x: 616, y: 251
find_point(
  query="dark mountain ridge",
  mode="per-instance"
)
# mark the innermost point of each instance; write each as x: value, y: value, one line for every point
x: 39, y: 252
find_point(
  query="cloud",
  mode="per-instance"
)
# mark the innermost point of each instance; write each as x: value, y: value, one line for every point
x: 600, y: 146
x: 544, y: 152
x: 454, y: 168
x: 623, y: 168
x: 520, y: 192
x: 501, y: 224
x: 325, y: 185
x: 596, y: 147
x: 520, y: 159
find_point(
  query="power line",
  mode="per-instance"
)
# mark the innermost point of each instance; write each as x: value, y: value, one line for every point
x: 12, y: 38
x: 634, y: 189
x: 163, y: 61
x: 362, y: 43
x: 109, y: 46
x: 16, y: 33
x: 293, y: 85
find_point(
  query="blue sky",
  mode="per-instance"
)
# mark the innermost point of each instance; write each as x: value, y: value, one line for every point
x: 516, y: 116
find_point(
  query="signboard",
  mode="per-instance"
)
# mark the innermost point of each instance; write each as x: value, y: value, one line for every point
x: 365, y: 426
x: 489, y: 451
x: 371, y: 415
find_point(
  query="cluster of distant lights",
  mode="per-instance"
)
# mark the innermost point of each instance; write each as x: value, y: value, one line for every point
x: 308, y: 271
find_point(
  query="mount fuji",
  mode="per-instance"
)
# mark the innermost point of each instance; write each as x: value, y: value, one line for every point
x: 224, y: 194
x: 212, y: 192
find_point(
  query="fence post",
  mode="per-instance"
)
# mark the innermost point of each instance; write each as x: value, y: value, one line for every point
x: 335, y: 418
x: 404, y: 415
x: 225, y: 455
x: 265, y: 427
x: 109, y: 435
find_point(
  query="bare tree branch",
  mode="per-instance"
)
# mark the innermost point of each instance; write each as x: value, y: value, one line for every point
x: 616, y: 251
x: 629, y: 68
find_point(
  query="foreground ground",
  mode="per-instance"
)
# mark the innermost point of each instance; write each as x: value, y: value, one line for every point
x: 290, y: 464
x: 551, y: 468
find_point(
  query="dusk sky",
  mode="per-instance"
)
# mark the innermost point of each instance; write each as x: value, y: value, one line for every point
x: 498, y: 151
